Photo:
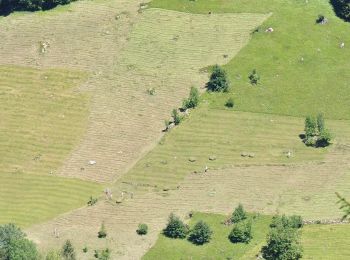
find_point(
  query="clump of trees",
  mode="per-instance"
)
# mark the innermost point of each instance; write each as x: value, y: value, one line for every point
x: 316, y: 134
x: 142, y: 229
x: 218, y: 81
x: 283, y: 241
x: 175, y: 228
x: 9, y: 6
x: 241, y: 232
x: 15, y: 245
x: 342, y: 8
x: 239, y: 214
x: 193, y: 99
x: 200, y: 234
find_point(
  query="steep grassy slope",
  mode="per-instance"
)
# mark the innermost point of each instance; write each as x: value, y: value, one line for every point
x: 41, y: 121
x: 302, y: 67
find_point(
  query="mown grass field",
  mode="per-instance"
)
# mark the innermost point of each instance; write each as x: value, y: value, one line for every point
x: 225, y: 135
x: 219, y: 247
x: 42, y: 118
x: 302, y: 68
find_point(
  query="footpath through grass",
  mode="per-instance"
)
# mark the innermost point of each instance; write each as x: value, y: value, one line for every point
x: 41, y: 121
x: 219, y: 247
x: 302, y: 67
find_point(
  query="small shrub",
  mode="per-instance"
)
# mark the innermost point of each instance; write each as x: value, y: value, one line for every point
x: 151, y: 91
x: 68, y: 251
x: 142, y: 229
x: 177, y: 118
x: 287, y: 222
x: 324, y: 139
x: 200, y: 234
x: 104, y: 254
x: 254, y: 77
x: 85, y: 249
x: 238, y: 214
x: 321, y: 19
x: 175, y: 228
x: 229, y: 103
x: 92, y: 201
x: 316, y: 134
x: 53, y: 255
x: 241, y: 232
x: 192, y: 100
x: 218, y: 81
x: 102, y: 232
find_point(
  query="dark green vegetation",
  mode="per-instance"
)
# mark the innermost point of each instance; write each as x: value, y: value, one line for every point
x: 344, y: 205
x: 219, y: 247
x: 302, y: 68
x: 102, y: 233
x: 175, y: 228
x: 142, y: 229
x: 68, y: 251
x: 239, y: 214
x: 14, y: 245
x: 9, y: 6
x: 193, y: 99
x: 218, y: 81
x: 241, y: 232
x: 200, y: 233
x: 342, y: 8
x: 316, y: 133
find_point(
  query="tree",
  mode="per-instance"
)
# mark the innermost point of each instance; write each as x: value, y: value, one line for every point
x: 229, y: 103
x: 320, y: 123
x: 342, y: 8
x: 241, y: 232
x: 176, y: 117
x: 192, y: 100
x: 287, y: 222
x: 282, y: 244
x: 142, y: 229
x: 68, y: 251
x: 316, y: 134
x: 310, y: 126
x: 218, y: 81
x: 254, y: 77
x: 175, y: 228
x: 344, y: 205
x: 238, y: 214
x: 201, y: 233
x: 102, y: 233
x: 14, y: 244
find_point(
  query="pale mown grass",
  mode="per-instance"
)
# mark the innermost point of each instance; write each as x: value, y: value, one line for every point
x: 42, y: 119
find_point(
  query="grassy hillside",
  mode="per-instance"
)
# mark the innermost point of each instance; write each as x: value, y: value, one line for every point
x: 219, y: 248
x: 41, y: 121
x: 303, y: 70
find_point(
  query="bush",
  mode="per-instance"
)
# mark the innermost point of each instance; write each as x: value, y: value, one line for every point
x: 142, y: 229
x: 175, y: 228
x: 241, y: 232
x: 53, y: 255
x: 283, y: 243
x: 102, y: 233
x: 287, y: 222
x: 15, y: 245
x: 238, y: 214
x: 218, y: 81
x: 200, y: 233
x: 176, y: 117
x: 342, y: 8
x: 103, y: 254
x: 92, y: 201
x: 229, y: 103
x: 254, y: 77
x: 324, y: 139
x: 68, y: 251
x: 192, y: 100
x: 85, y: 249
x: 315, y: 132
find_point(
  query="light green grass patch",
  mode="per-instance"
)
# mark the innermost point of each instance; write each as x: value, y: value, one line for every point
x: 303, y: 70
x: 219, y: 247
x: 42, y: 119
x: 326, y: 242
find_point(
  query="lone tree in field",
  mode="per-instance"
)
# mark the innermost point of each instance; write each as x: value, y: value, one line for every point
x: 200, y: 234
x: 316, y: 134
x: 192, y: 100
x: 241, y: 232
x: 14, y: 244
x: 283, y: 241
x: 68, y: 251
x: 218, y: 81
x: 238, y: 214
x: 342, y: 8
x: 175, y: 228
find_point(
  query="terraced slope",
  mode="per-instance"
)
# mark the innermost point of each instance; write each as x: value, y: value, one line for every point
x: 42, y: 118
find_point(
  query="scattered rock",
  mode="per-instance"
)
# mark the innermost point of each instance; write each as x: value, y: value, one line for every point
x: 342, y: 45
x: 250, y: 155
x: 269, y: 30
x: 92, y: 162
x: 212, y: 158
x: 192, y: 159
x: 166, y: 189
